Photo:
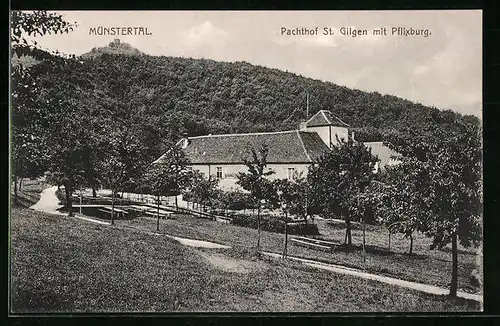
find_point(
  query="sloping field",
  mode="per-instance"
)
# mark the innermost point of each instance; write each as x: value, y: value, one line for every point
x: 426, y: 266
x: 61, y: 264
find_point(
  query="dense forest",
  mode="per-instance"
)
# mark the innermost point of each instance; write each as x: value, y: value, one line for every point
x: 201, y: 96
x: 157, y: 99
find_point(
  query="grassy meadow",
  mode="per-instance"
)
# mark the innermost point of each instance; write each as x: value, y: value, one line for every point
x: 62, y: 264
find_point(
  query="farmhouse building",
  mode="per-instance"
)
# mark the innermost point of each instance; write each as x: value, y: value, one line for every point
x: 290, y: 152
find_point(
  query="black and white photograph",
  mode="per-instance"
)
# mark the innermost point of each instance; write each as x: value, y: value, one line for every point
x: 246, y: 161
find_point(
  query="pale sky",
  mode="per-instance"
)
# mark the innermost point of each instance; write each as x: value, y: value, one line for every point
x: 442, y: 70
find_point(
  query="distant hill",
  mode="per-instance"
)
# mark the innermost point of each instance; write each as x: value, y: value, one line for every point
x: 114, y: 47
x: 159, y: 98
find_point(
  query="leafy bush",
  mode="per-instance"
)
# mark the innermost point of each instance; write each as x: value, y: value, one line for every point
x: 273, y: 224
x: 105, y: 200
x: 109, y: 196
x: 235, y: 200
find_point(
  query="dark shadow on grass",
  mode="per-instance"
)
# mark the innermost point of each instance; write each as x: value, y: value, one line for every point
x: 370, y: 249
x: 338, y: 225
x: 460, y: 251
x: 378, y: 251
x: 474, y: 305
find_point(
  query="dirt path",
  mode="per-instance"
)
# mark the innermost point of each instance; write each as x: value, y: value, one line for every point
x: 48, y: 203
x: 198, y: 243
x: 341, y: 270
x: 233, y: 265
x: 384, y: 279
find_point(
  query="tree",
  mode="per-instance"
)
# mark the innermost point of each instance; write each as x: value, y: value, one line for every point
x: 450, y: 155
x: 28, y: 155
x: 66, y: 123
x: 403, y: 203
x: 36, y: 23
x: 166, y: 176
x: 297, y: 202
x: 170, y: 175
x: 338, y: 177
x: 201, y: 190
x: 288, y: 199
x: 121, y: 162
x: 175, y: 163
x: 255, y: 180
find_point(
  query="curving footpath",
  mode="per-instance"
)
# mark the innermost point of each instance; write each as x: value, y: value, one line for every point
x: 384, y: 279
x: 49, y: 203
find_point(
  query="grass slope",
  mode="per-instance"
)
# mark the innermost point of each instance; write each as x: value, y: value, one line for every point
x: 425, y: 266
x: 69, y: 265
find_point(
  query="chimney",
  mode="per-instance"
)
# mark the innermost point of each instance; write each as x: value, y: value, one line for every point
x: 185, y: 140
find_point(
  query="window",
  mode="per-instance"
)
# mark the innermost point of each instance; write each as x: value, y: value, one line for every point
x: 290, y: 173
x: 219, y: 172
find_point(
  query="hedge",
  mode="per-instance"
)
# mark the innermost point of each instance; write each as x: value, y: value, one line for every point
x: 273, y: 224
x: 94, y: 201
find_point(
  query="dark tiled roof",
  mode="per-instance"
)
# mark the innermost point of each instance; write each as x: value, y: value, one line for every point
x: 325, y: 118
x: 313, y: 144
x: 284, y: 147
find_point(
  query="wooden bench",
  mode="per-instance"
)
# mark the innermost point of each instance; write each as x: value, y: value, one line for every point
x: 137, y: 208
x: 163, y: 215
x: 316, y: 243
x: 118, y: 212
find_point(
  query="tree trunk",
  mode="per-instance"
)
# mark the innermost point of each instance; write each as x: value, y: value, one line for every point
x: 94, y: 192
x: 286, y: 237
x: 389, y: 240
x: 411, y: 244
x: 454, y: 267
x: 15, y: 190
x: 348, y: 232
x: 176, y: 203
x: 364, y: 241
x: 81, y: 202
x: 112, y: 207
x: 69, y: 200
x: 258, y: 228
x: 158, y: 215
x: 21, y: 183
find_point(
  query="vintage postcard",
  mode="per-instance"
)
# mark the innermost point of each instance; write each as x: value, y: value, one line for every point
x: 245, y: 161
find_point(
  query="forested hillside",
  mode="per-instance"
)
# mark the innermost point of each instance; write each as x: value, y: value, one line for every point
x: 200, y: 96
x: 154, y: 100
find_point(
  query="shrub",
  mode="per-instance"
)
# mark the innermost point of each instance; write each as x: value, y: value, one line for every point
x: 273, y: 224
x: 94, y: 201
x: 109, y: 196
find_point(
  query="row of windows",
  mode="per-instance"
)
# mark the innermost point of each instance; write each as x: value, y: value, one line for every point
x: 220, y: 175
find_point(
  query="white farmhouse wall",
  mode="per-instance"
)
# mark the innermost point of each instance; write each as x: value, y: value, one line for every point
x: 230, y: 172
x: 327, y: 133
